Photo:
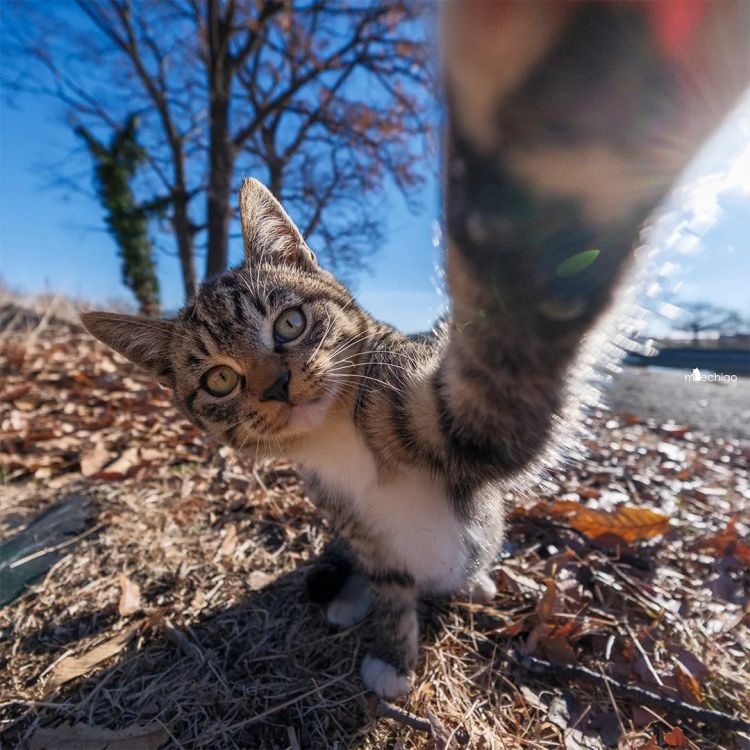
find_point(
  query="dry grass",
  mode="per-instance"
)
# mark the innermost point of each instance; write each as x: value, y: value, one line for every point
x: 227, y: 653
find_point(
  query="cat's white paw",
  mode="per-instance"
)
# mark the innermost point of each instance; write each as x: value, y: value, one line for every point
x: 351, y: 604
x: 383, y: 678
x: 483, y: 589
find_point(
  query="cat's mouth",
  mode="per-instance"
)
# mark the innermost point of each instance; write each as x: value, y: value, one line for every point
x: 303, y: 416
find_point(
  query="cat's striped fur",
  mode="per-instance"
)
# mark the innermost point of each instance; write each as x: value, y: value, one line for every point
x: 411, y: 445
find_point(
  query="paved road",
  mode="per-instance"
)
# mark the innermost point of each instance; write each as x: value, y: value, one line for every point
x: 715, y: 408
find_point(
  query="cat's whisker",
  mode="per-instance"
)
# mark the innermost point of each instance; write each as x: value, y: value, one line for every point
x: 244, y: 441
x: 334, y: 393
x: 229, y: 427
x: 384, y: 383
x: 363, y: 336
x: 390, y: 353
x: 349, y: 365
x: 328, y: 329
x: 353, y: 387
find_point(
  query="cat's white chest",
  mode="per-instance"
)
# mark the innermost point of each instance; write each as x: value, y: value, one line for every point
x: 409, y: 513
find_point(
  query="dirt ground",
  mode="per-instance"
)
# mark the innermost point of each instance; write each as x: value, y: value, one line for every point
x: 176, y: 618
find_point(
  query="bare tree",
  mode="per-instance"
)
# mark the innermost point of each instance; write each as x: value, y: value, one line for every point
x: 326, y: 102
x: 698, y: 317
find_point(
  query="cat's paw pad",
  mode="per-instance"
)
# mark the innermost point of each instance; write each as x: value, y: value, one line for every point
x: 384, y: 679
x: 351, y: 605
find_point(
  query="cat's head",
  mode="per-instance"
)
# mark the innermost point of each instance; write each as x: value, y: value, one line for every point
x: 264, y: 352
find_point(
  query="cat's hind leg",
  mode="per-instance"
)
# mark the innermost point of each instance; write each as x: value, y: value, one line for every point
x: 352, y: 603
x: 335, y: 583
x: 329, y: 572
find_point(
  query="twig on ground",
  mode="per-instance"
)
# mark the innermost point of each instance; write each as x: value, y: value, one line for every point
x: 633, y: 692
x: 403, y: 717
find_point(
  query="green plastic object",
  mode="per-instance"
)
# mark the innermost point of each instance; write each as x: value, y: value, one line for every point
x: 29, y: 554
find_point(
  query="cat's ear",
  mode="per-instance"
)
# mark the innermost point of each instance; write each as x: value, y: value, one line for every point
x: 267, y: 230
x: 144, y: 341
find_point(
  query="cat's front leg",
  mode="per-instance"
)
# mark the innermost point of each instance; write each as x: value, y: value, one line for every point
x: 388, y: 669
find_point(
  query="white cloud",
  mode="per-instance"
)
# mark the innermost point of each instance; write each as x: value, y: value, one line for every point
x: 695, y: 206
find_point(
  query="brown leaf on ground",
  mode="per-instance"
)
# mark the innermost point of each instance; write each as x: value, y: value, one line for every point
x: 631, y: 419
x: 258, y: 580
x: 515, y: 628
x: 557, y: 648
x: 589, y: 492
x: 630, y: 524
x: 675, y: 430
x: 11, y: 394
x: 689, y: 687
x: 726, y: 543
x: 74, y: 666
x: 546, y: 607
x: 94, y: 460
x: 130, y: 596
x: 127, y: 461
x: 228, y: 543
x: 742, y: 553
x: 676, y: 738
x: 85, y: 737
x: 719, y: 543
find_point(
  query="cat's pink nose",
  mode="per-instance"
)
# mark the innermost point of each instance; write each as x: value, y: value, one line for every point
x: 278, y: 390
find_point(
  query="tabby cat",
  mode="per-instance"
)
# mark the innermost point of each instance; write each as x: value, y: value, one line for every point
x: 568, y: 122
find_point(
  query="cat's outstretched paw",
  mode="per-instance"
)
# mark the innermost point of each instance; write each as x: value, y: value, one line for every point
x: 384, y: 679
x: 351, y: 604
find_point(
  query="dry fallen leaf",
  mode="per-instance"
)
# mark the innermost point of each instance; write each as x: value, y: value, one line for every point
x: 258, y: 580
x: 123, y: 464
x: 514, y: 628
x: 676, y: 738
x: 727, y: 543
x: 84, y: 737
x: 228, y: 543
x: 74, y: 666
x: 546, y: 606
x: 13, y: 393
x: 689, y: 687
x: 627, y: 523
x: 130, y: 596
x: 94, y: 460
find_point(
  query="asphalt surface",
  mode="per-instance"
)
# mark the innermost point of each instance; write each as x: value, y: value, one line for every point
x: 715, y: 408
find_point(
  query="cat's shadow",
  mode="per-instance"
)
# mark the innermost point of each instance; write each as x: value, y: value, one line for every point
x: 266, y: 672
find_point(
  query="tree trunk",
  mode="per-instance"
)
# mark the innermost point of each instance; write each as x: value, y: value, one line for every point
x: 275, y: 180
x: 220, y: 150
x: 184, y: 236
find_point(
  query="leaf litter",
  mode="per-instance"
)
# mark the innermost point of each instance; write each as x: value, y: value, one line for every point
x: 632, y: 564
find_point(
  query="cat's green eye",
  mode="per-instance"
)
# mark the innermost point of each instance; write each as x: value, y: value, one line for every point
x: 220, y: 380
x: 289, y: 325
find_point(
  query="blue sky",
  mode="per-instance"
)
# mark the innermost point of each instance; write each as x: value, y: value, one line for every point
x: 54, y: 240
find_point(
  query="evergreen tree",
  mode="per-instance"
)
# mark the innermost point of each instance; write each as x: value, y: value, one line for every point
x: 115, y: 167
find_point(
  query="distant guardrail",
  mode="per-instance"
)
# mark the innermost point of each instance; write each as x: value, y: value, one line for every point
x: 727, y: 361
